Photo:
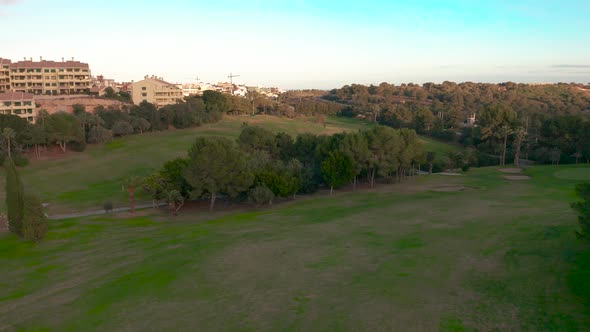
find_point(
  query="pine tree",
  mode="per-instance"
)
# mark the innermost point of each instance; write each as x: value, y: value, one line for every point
x: 14, y: 199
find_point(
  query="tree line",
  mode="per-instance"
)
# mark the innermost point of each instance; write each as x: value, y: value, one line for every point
x: 544, y: 123
x: 261, y: 165
x: 75, y: 130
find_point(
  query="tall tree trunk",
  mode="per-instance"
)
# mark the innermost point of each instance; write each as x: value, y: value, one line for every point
x: 373, y: 177
x: 212, y: 203
x: 430, y: 168
x: 503, y: 161
x: 9, y: 154
x: 517, y: 155
x: 131, y: 199
x: 354, y: 183
x: 331, y: 189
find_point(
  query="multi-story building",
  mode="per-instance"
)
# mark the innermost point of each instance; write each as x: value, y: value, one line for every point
x: 49, y: 77
x: 4, y: 75
x: 156, y: 91
x: 18, y: 103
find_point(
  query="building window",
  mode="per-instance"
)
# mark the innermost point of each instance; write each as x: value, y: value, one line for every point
x: 144, y: 94
x: 53, y: 70
x: 47, y: 70
x: 7, y: 103
x: 17, y: 103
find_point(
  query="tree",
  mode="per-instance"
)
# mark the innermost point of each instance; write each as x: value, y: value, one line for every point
x: 122, y: 128
x: 8, y: 134
x: 35, y: 224
x: 424, y: 120
x: 582, y: 207
x: 131, y: 183
x: 356, y: 148
x: 519, y: 133
x: 257, y: 138
x: 63, y: 128
x: 35, y: 136
x: 337, y: 170
x: 15, y: 199
x: 384, y: 148
x: 140, y: 124
x: 217, y: 166
x: 430, y: 157
x: 156, y: 186
x: 504, y: 132
x: 175, y: 200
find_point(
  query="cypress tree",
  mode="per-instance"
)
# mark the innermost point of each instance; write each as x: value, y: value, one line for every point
x: 34, y: 225
x: 15, y: 201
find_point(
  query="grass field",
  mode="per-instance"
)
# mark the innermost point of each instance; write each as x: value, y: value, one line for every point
x: 84, y: 181
x: 461, y: 253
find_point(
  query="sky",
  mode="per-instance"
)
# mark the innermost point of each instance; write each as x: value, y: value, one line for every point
x: 307, y: 44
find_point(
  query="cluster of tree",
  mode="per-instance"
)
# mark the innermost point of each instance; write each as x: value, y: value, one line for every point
x: 545, y: 123
x: 81, y: 127
x: 26, y: 217
x: 263, y: 165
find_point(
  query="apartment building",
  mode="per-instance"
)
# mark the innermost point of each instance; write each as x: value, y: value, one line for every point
x: 4, y: 75
x: 18, y: 103
x: 156, y: 91
x: 48, y: 77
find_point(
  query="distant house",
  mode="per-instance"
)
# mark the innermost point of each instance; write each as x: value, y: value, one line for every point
x: 156, y: 91
x: 18, y: 103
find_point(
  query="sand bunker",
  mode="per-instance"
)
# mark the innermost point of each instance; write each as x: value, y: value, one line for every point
x: 510, y: 170
x: 517, y: 177
x: 450, y: 189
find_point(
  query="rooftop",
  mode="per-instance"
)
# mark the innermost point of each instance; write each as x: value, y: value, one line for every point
x: 49, y: 64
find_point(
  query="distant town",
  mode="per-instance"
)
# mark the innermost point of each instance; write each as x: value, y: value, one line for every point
x: 27, y: 86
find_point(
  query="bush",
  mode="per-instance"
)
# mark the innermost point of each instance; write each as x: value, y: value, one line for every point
x: 465, y: 168
x: 260, y: 195
x: 35, y: 224
x: 108, y: 206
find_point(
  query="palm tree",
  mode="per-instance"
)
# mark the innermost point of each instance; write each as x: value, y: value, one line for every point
x: 131, y: 183
x: 175, y: 200
x: 520, y: 133
x: 8, y: 134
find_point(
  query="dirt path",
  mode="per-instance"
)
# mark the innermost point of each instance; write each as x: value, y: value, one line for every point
x: 99, y: 212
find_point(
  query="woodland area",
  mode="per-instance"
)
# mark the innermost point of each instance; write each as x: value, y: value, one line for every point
x: 546, y: 123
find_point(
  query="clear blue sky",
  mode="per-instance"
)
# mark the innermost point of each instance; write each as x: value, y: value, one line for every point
x: 306, y: 44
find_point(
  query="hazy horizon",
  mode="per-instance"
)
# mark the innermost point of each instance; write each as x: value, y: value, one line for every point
x: 301, y: 44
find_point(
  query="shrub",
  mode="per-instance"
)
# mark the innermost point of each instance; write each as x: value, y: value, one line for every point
x: 35, y: 224
x: 465, y: 168
x: 108, y: 206
x: 260, y: 195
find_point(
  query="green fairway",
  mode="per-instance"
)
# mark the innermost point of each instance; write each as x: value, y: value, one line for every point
x: 81, y: 181
x: 461, y: 253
